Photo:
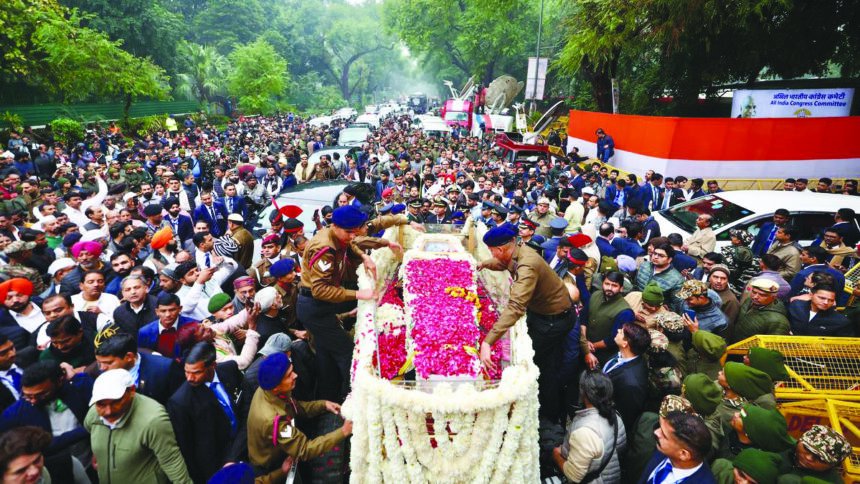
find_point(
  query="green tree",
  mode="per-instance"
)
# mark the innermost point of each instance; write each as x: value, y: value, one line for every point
x: 206, y: 72
x: 260, y: 77
x: 352, y: 34
x: 688, y: 48
x: 146, y: 28
x: 227, y: 23
x: 81, y: 62
x: 481, y: 37
x: 45, y: 46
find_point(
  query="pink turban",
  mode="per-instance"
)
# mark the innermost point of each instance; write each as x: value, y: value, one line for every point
x: 93, y: 248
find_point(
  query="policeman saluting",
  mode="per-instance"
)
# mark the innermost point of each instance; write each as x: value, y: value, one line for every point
x: 329, y: 258
x: 540, y: 294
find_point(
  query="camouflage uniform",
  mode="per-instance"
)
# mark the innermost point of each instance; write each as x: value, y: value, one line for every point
x: 11, y: 271
x: 828, y: 445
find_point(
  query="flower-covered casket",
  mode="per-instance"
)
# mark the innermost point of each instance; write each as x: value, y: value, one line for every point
x: 423, y: 407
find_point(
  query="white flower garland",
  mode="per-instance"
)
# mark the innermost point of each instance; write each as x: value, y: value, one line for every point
x: 493, y: 432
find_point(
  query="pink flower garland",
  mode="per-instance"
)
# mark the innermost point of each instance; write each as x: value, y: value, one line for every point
x: 488, y: 319
x: 443, y: 325
x: 392, y: 346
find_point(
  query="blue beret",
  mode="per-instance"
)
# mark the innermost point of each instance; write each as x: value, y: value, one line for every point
x: 348, y: 217
x: 282, y: 267
x: 386, y: 208
x: 458, y: 214
x: 272, y: 370
x: 539, y: 239
x: 558, y: 223
x: 500, y: 235
x: 240, y: 473
x: 399, y: 208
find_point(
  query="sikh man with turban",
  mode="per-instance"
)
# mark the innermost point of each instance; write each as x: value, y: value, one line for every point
x: 87, y: 255
x: 15, y: 294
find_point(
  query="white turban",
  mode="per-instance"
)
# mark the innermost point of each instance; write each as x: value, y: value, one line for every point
x: 266, y: 297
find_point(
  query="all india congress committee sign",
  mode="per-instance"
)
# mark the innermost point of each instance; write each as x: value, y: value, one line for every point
x: 791, y: 103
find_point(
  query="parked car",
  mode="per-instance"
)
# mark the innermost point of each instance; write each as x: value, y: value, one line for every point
x: 353, y: 136
x: 371, y: 119
x: 810, y: 212
x: 320, y: 121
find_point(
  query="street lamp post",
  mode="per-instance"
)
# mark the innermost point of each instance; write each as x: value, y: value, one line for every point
x: 537, y: 60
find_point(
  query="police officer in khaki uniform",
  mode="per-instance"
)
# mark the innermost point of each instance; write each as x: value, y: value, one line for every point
x: 541, y: 295
x: 328, y: 271
x: 286, y: 284
x: 272, y: 432
x: 271, y: 250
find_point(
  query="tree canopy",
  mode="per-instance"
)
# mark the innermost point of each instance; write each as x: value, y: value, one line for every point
x: 327, y: 53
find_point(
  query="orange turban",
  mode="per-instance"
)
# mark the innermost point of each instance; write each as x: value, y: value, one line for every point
x: 19, y: 285
x: 161, y: 238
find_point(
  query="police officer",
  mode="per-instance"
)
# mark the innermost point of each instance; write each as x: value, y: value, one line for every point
x: 271, y: 251
x: 541, y: 295
x: 328, y: 269
x: 285, y: 283
x: 272, y: 432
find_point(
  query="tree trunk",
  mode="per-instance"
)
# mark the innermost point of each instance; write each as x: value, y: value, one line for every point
x: 126, y: 107
x: 601, y: 84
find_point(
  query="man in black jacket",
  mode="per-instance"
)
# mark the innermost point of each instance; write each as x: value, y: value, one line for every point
x: 137, y: 308
x: 155, y: 376
x: 10, y: 374
x: 629, y: 372
x: 204, y: 413
x: 818, y: 316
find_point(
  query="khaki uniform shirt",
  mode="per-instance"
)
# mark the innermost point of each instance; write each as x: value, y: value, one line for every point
x: 543, y: 222
x: 326, y: 266
x: 324, y: 173
x: 245, y: 241
x: 536, y: 287
x: 273, y: 435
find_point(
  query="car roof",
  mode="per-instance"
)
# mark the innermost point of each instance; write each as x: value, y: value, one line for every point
x: 769, y: 201
x: 308, y: 196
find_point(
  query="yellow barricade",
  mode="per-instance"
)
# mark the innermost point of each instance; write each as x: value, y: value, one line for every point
x: 820, y: 368
x: 842, y: 416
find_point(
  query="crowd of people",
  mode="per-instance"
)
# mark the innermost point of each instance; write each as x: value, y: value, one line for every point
x: 148, y: 336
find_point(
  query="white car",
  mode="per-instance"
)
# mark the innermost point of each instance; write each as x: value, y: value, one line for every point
x: 320, y: 121
x: 346, y: 112
x: 749, y: 209
x: 353, y: 136
x: 371, y: 119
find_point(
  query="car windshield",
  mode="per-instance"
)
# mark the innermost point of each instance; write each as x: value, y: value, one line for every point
x: 307, y: 196
x: 456, y: 116
x: 722, y: 211
x: 353, y: 134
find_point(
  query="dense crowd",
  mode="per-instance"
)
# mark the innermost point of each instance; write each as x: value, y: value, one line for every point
x: 149, y: 334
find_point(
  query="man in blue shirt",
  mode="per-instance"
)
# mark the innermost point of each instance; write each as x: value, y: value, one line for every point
x: 605, y: 146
